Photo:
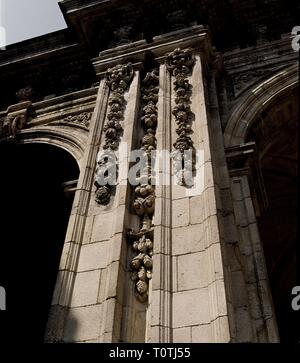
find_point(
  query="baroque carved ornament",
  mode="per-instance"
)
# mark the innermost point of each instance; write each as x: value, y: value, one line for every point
x: 144, y: 194
x: 82, y: 119
x: 10, y: 125
x: 118, y: 79
x: 180, y: 64
x: 242, y: 81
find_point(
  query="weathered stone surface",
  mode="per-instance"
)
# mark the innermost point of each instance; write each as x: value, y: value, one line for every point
x: 202, y: 334
x: 180, y: 213
x: 156, y: 262
x: 192, y: 271
x: 81, y: 323
x: 93, y: 256
x: 182, y: 335
x: 86, y: 288
x: 102, y: 227
x: 191, y: 308
x: 192, y: 235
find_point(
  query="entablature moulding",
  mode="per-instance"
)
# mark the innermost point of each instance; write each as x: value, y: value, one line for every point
x: 246, y: 67
x: 61, y: 110
x: 63, y: 121
x: 96, y: 21
x: 196, y: 37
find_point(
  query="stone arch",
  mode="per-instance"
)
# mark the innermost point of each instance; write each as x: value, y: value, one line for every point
x: 261, y: 143
x: 257, y: 100
x: 64, y: 140
x: 35, y: 208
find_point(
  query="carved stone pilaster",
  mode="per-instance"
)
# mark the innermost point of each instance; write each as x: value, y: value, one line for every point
x: 118, y: 79
x: 243, y: 160
x: 180, y: 64
x: 144, y: 203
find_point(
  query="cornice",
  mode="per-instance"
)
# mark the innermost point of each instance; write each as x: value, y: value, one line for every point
x: 195, y: 37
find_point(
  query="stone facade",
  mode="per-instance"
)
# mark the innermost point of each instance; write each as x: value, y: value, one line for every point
x: 154, y: 263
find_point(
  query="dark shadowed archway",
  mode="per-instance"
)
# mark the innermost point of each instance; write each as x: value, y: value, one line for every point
x: 34, y: 214
x: 267, y: 114
x: 275, y: 134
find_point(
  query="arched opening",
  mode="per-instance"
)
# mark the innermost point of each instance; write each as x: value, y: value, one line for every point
x: 34, y: 214
x: 275, y: 134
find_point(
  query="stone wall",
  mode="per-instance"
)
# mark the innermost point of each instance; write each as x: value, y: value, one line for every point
x: 162, y: 263
x: 191, y: 296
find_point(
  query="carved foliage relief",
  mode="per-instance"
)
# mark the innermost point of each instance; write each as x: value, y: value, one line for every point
x: 180, y: 64
x: 118, y: 79
x: 144, y: 194
x: 82, y: 119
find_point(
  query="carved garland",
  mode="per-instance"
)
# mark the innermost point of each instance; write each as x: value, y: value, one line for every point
x: 180, y: 64
x: 142, y: 241
x: 118, y: 79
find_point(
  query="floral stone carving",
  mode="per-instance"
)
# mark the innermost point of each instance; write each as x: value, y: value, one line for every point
x: 144, y: 194
x: 82, y: 119
x: 118, y: 79
x: 180, y: 64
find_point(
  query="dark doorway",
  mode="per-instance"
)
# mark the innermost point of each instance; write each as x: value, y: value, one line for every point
x: 278, y: 229
x: 34, y: 214
x: 278, y: 149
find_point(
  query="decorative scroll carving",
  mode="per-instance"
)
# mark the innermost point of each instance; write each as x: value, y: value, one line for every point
x: 82, y: 119
x: 144, y: 203
x: 10, y: 125
x: 180, y: 64
x: 242, y: 81
x: 118, y: 79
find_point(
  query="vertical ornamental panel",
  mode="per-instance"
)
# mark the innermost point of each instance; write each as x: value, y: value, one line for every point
x: 180, y: 64
x: 118, y: 79
x: 142, y: 240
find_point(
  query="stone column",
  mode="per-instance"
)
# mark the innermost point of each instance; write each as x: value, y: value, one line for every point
x: 75, y: 237
x: 95, y: 313
x: 181, y: 279
x: 257, y: 322
x: 160, y: 298
x: 188, y: 301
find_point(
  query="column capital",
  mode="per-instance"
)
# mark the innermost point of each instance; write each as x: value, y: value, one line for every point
x: 242, y: 161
